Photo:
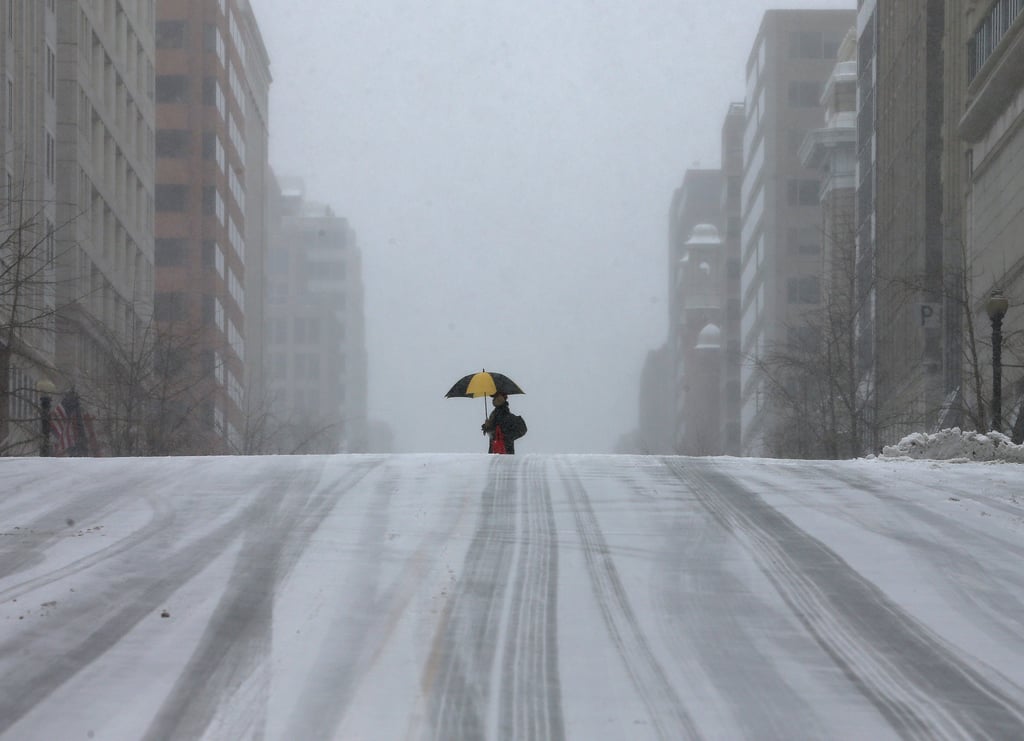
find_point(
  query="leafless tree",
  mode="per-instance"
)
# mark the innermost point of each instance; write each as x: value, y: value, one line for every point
x: 820, y: 394
x: 153, y: 395
x: 28, y: 289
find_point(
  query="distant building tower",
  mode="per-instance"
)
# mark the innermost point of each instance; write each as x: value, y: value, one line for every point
x: 316, y: 338
x: 791, y: 60
x: 699, y: 287
x: 729, y: 278
x: 211, y: 142
x: 696, y: 201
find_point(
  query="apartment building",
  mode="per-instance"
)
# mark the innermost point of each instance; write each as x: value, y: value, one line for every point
x: 730, y: 428
x: 864, y: 205
x: 212, y: 78
x: 697, y: 200
x: 789, y: 65
x: 316, y: 338
x: 105, y: 176
x: 986, y: 51
x: 698, y: 284
x: 28, y: 214
x: 909, y: 254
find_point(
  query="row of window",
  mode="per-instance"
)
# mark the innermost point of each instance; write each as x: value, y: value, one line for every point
x: 990, y: 32
x: 813, y: 45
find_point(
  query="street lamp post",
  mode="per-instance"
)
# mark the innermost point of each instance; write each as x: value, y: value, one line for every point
x: 46, y: 391
x: 996, y: 307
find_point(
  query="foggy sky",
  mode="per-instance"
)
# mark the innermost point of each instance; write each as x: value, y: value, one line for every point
x: 508, y: 171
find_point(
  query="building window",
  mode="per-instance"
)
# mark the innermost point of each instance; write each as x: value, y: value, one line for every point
x: 171, y: 89
x: 171, y: 197
x: 802, y: 192
x: 209, y: 253
x: 805, y: 290
x: 51, y: 72
x: 804, y: 94
x: 209, y: 310
x: 169, y: 252
x: 170, y: 34
x: 173, y: 142
x: 805, y: 45
x: 51, y: 157
x: 169, y: 307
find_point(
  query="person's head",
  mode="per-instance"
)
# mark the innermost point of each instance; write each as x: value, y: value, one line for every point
x: 498, y: 398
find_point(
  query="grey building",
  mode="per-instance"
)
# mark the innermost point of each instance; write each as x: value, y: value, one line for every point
x: 696, y: 201
x: 787, y: 69
x: 316, y: 341
x: 730, y: 429
x: 987, y: 43
x: 28, y: 216
x: 909, y: 251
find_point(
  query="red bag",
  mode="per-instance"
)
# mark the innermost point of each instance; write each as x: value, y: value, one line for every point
x: 498, y: 441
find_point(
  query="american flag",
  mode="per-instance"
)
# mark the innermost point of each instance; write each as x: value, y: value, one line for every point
x: 62, y: 429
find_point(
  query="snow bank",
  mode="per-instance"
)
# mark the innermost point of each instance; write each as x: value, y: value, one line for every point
x: 956, y: 445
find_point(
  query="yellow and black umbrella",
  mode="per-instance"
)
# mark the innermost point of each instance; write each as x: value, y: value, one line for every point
x: 483, y: 384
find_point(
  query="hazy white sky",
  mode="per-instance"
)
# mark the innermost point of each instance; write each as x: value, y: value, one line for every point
x: 508, y: 170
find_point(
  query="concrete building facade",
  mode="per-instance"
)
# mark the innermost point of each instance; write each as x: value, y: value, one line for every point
x: 790, y: 62
x: 28, y: 215
x: 989, y: 37
x: 316, y: 339
x: 211, y: 143
x: 698, y: 283
x: 730, y: 428
x: 696, y: 201
x: 909, y: 250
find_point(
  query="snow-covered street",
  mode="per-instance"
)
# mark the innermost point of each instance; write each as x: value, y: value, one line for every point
x: 498, y: 597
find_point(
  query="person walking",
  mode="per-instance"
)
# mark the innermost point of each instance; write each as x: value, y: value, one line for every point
x: 501, y: 426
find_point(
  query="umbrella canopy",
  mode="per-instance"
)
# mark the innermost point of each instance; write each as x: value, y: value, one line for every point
x: 483, y: 384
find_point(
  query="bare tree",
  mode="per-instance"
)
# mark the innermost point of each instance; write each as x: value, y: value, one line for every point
x: 28, y: 289
x: 821, y: 394
x: 153, y: 395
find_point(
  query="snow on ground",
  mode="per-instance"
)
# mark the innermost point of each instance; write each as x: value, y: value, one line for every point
x: 531, y: 596
x: 958, y: 446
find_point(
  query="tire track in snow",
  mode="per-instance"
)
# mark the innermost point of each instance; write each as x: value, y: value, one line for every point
x: 950, y: 543
x: 694, y: 563
x: 493, y: 671
x: 531, y: 692
x: 667, y: 712
x: 920, y: 686
x: 33, y: 667
x: 46, y: 528
x: 227, y: 676
x: 458, y: 675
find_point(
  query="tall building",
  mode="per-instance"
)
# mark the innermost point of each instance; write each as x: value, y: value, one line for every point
x: 986, y: 56
x: 655, y: 419
x: 790, y: 62
x: 698, y: 284
x: 105, y: 176
x: 864, y: 208
x: 730, y: 433
x: 211, y: 142
x: 28, y: 215
x: 316, y: 338
x: 696, y: 201
x: 909, y: 249
x: 259, y: 186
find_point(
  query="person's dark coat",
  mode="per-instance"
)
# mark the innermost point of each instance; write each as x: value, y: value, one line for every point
x: 502, y: 417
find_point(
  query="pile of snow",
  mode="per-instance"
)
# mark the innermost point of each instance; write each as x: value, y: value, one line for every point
x: 956, y: 445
